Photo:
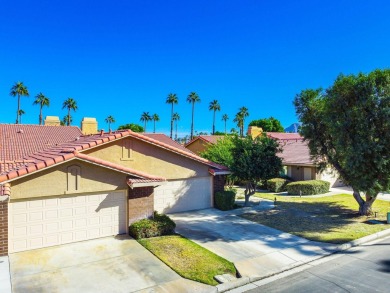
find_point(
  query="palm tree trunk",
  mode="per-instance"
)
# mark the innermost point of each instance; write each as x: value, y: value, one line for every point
x: 192, y: 121
x: 214, y: 123
x: 172, y: 121
x: 145, y: 126
x: 17, y: 112
x: 68, y: 116
x: 154, y: 126
x: 40, y: 116
x: 176, y: 131
x: 225, y: 127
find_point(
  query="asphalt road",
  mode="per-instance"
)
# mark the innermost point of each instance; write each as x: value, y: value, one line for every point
x: 360, y: 269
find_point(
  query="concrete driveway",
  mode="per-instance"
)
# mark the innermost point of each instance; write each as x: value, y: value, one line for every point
x: 112, y: 264
x: 256, y: 250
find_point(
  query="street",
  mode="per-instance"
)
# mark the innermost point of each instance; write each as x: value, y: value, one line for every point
x: 361, y: 269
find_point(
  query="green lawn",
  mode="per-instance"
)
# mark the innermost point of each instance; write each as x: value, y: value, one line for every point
x: 188, y: 259
x: 331, y: 219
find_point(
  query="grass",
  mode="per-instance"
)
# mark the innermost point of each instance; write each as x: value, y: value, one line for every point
x: 188, y: 259
x: 332, y: 219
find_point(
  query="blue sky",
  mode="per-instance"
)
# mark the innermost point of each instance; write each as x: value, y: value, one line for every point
x: 122, y: 58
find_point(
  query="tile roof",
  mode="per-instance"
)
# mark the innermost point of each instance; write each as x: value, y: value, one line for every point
x: 206, y: 138
x: 167, y: 140
x: 295, y: 152
x: 19, y: 140
x: 68, y: 150
x: 284, y: 136
x: 144, y: 182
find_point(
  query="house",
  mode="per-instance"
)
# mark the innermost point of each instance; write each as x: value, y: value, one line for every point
x: 58, y: 186
x: 202, y: 142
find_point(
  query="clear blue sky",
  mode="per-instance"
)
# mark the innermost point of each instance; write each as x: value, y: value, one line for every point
x: 122, y: 58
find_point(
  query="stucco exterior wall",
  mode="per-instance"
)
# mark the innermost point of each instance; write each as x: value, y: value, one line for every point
x: 150, y: 159
x: 197, y: 146
x: 54, y: 181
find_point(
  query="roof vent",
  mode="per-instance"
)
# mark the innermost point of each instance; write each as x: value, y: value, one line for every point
x: 77, y: 138
x: 20, y: 131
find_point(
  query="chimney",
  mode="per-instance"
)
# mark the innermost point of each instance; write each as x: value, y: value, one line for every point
x: 89, y: 126
x: 52, y: 121
x: 254, y: 131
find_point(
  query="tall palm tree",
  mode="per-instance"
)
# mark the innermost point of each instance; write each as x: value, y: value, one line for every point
x: 244, y: 113
x: 41, y: 100
x: 110, y: 120
x: 19, y: 90
x: 240, y: 121
x: 172, y: 99
x: 155, y: 119
x: 21, y: 112
x: 225, y: 118
x: 145, y: 117
x: 214, y: 106
x: 64, y: 120
x: 176, y: 117
x: 192, y: 99
x: 69, y: 104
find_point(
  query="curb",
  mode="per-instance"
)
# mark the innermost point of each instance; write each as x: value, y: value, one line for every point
x: 305, y: 265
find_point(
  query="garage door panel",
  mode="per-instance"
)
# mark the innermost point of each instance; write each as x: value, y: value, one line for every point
x: 46, y: 222
x: 184, y: 195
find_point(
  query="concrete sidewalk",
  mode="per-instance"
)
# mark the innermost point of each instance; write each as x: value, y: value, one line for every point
x: 257, y: 251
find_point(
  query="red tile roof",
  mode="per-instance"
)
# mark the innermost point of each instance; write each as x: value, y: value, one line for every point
x: 295, y: 152
x: 143, y: 182
x: 212, y: 139
x: 69, y: 150
x: 284, y: 136
x: 19, y: 140
x: 167, y: 140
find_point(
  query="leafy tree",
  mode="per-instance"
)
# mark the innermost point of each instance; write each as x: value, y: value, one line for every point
x: 220, y: 152
x: 176, y: 117
x: 145, y: 117
x: 214, y: 106
x: 268, y: 124
x: 69, y: 104
x: 19, y: 90
x: 172, y: 99
x: 347, y: 126
x: 155, y: 119
x: 225, y: 118
x: 132, y: 126
x: 41, y: 100
x: 21, y: 112
x: 192, y: 99
x: 110, y: 120
x: 255, y: 160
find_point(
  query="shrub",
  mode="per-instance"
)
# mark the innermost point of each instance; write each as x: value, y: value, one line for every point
x: 224, y: 200
x: 277, y: 184
x: 308, y: 187
x: 158, y: 226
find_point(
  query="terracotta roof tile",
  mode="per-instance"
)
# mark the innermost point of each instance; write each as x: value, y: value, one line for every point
x: 295, y: 152
x: 206, y: 138
x: 284, y: 136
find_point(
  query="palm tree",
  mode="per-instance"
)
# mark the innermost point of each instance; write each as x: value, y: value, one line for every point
x: 176, y: 117
x: 145, y: 117
x: 172, y: 99
x: 19, y: 89
x: 244, y: 113
x: 21, y: 112
x: 193, y: 98
x: 64, y: 120
x: 225, y: 118
x: 155, y: 119
x: 70, y: 104
x: 239, y: 120
x: 41, y: 100
x: 214, y: 106
x: 110, y: 120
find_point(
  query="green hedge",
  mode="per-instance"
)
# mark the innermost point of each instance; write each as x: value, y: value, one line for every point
x: 224, y: 200
x: 308, y: 187
x: 277, y: 184
x: 158, y: 226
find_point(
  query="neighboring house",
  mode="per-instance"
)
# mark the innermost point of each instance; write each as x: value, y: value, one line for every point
x: 202, y: 142
x: 297, y: 161
x: 68, y: 188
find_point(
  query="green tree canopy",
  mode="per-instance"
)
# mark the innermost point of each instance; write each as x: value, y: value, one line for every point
x: 19, y: 90
x: 348, y: 127
x: 41, y: 100
x: 255, y: 160
x: 132, y: 126
x: 69, y: 104
x: 109, y: 120
x: 220, y: 152
x: 268, y: 124
x: 145, y: 118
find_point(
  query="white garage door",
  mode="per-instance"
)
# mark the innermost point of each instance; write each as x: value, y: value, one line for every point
x: 184, y: 195
x: 53, y: 221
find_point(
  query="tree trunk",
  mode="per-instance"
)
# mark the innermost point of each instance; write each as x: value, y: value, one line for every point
x: 171, y: 121
x: 192, y: 121
x: 365, y: 206
x: 249, y: 190
x: 40, y: 116
x: 17, y: 112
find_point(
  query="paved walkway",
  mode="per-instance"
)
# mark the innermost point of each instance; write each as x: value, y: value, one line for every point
x: 257, y: 251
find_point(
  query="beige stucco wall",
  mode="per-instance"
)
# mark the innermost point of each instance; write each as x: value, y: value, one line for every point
x: 150, y: 159
x: 197, y: 146
x: 53, y: 181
